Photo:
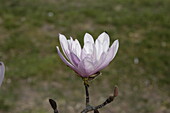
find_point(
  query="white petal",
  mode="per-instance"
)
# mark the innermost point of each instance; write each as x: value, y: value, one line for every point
x: 104, y: 40
x: 74, y: 46
x: 70, y: 44
x: 99, y: 49
x: 77, y: 48
x: 94, y: 54
x: 88, y: 38
x: 88, y: 47
x: 63, y: 42
x: 64, y: 45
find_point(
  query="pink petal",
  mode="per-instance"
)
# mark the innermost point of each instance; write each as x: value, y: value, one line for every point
x: 99, y: 63
x: 88, y: 65
x: 75, y: 60
x: 81, y: 69
x: 66, y: 62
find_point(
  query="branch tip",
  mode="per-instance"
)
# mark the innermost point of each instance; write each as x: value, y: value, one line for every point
x: 53, y: 104
x: 115, y: 91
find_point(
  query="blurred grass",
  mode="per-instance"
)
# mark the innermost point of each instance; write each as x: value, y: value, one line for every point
x: 34, y: 73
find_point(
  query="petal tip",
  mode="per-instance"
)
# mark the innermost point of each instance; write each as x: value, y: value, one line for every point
x: 105, y: 35
x: 105, y: 32
x: 117, y: 42
x: 57, y: 48
x: 2, y: 64
x: 87, y: 34
x: 60, y: 34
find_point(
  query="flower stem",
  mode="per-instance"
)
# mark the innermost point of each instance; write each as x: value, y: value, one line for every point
x: 87, y: 92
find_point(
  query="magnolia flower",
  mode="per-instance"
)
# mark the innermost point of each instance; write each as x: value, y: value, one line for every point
x: 2, y: 72
x: 93, y: 57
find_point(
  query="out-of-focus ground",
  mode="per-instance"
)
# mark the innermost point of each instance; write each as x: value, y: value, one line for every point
x: 34, y: 72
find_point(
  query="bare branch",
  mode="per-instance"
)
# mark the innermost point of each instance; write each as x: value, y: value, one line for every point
x: 88, y: 106
x: 96, y: 111
x: 107, y: 101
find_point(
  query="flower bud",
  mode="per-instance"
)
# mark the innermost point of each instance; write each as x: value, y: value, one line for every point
x: 115, y: 91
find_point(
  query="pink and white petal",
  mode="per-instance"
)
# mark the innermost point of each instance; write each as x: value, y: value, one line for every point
x: 2, y: 72
x: 81, y: 69
x: 99, y: 63
x: 110, y: 54
x: 113, y: 50
x: 85, y: 67
x: 88, y: 38
x: 75, y: 60
x: 101, y: 60
x: 83, y: 54
x: 63, y: 59
x: 89, y: 66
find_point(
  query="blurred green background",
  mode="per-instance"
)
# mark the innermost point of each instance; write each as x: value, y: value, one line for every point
x: 34, y: 72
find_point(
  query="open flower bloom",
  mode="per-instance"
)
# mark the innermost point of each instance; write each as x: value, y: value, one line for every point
x: 2, y: 72
x: 93, y: 57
